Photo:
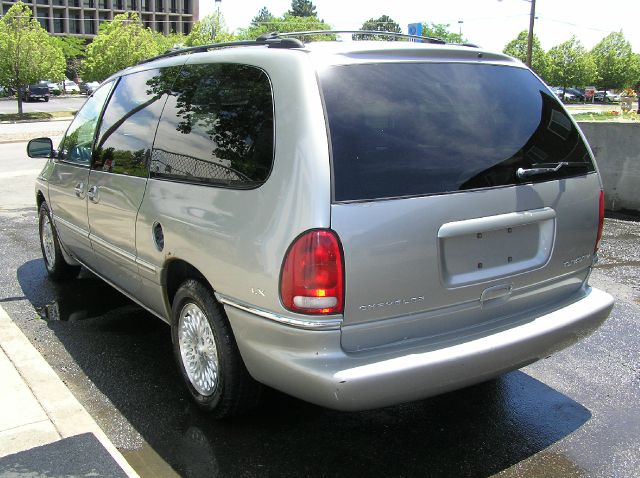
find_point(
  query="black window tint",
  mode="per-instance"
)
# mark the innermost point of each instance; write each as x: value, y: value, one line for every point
x: 129, y: 122
x: 78, y: 141
x: 427, y: 128
x: 217, y: 127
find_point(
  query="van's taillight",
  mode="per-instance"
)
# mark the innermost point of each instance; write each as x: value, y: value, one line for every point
x: 600, y: 220
x: 312, y: 280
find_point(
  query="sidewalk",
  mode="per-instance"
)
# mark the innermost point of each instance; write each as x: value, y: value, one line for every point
x: 19, y: 132
x: 44, y: 430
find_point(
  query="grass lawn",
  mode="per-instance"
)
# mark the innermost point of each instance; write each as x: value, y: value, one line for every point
x: 37, y: 116
x: 612, y: 115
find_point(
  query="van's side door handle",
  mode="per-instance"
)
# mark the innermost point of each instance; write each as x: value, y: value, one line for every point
x: 79, y: 190
x: 92, y: 194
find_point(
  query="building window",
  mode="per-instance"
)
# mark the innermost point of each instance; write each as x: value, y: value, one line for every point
x: 104, y: 4
x: 58, y: 22
x: 159, y: 6
x: 89, y: 26
x: 74, y: 23
x: 88, y: 3
x: 74, y: 3
x: 186, y: 28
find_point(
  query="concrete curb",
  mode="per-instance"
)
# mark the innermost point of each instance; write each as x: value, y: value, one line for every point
x: 63, y: 415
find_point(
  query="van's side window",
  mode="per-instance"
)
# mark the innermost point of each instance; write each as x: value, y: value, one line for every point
x: 217, y: 127
x: 77, y: 143
x: 129, y: 122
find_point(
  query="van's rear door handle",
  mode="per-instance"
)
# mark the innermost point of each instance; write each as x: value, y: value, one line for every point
x: 79, y: 190
x: 92, y: 194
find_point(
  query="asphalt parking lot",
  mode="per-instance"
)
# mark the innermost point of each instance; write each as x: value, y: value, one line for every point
x: 574, y: 414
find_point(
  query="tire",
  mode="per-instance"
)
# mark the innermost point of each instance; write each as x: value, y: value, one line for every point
x: 207, y: 354
x: 57, y: 268
x: 46, y: 99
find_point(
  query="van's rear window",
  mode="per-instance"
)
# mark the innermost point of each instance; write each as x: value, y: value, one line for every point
x: 409, y: 129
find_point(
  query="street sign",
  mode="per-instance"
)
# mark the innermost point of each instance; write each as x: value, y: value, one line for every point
x: 415, y: 29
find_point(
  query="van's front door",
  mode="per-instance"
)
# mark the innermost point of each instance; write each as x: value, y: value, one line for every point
x: 119, y: 172
x: 68, y: 181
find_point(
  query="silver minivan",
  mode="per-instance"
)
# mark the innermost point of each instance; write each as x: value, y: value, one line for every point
x: 357, y: 224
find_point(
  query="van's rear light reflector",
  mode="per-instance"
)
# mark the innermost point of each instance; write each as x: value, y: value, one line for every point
x: 312, y: 280
x: 600, y: 220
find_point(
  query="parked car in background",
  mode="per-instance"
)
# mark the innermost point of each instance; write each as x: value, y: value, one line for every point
x: 54, y: 88
x: 607, y: 96
x: 327, y: 219
x: 71, y: 87
x: 38, y: 91
x: 87, y: 88
x: 577, y: 93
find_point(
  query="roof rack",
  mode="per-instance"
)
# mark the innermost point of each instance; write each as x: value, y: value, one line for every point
x: 423, y: 39
x: 263, y: 40
x: 288, y: 40
x: 275, y: 35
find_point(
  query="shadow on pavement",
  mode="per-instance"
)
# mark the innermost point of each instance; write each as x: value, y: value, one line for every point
x: 126, y: 353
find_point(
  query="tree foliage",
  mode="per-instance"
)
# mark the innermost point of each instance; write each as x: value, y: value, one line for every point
x: 73, y: 49
x: 615, y: 61
x: 211, y: 29
x: 27, y: 53
x: 263, y: 16
x: 288, y: 23
x: 441, y: 31
x: 570, y: 65
x: 517, y: 48
x: 382, y: 24
x: 302, y: 8
x: 119, y: 44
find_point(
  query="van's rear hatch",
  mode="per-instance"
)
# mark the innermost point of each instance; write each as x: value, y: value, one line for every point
x: 442, y: 234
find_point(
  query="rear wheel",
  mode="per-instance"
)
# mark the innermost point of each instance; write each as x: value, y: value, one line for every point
x: 57, y: 267
x: 207, y: 354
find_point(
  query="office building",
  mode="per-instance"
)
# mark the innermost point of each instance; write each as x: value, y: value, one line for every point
x: 82, y: 17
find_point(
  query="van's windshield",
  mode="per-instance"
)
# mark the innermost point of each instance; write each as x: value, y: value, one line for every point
x: 408, y: 129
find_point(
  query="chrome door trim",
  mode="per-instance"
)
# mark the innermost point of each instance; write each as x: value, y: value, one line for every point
x: 77, y: 229
x: 332, y: 323
x: 147, y: 266
x: 113, y: 249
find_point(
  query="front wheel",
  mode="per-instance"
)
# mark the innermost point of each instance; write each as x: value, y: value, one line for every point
x: 57, y: 267
x: 207, y: 354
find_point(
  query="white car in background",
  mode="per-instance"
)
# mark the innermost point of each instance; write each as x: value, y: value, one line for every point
x: 70, y: 87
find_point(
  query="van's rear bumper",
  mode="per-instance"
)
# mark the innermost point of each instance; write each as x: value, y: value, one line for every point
x: 311, y: 365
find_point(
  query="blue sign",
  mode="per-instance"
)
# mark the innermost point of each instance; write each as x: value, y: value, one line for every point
x: 415, y: 29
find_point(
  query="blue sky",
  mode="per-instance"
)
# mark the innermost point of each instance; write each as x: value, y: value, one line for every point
x: 488, y: 23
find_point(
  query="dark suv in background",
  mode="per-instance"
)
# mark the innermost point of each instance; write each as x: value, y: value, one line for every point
x: 37, y: 92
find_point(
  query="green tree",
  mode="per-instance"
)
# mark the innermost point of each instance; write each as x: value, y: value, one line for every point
x: 441, y: 31
x: 263, y: 16
x: 615, y: 61
x: 170, y: 41
x: 288, y: 23
x: 382, y: 24
x: 517, y: 48
x: 73, y: 49
x: 211, y: 29
x: 302, y: 8
x: 570, y: 65
x: 27, y: 53
x: 119, y: 44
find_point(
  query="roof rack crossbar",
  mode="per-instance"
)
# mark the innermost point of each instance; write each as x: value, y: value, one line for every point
x: 273, y: 42
x: 424, y: 39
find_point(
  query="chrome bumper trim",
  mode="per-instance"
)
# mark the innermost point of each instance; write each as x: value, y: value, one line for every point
x: 308, y: 324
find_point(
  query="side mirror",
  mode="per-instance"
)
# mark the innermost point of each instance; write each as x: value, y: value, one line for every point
x: 40, y: 148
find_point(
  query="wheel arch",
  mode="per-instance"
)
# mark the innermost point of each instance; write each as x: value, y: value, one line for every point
x: 176, y: 272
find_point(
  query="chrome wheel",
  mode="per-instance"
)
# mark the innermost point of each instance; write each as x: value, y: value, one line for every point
x: 198, y: 349
x: 48, y: 244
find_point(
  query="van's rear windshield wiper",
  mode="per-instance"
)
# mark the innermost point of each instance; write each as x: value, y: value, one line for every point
x: 546, y: 168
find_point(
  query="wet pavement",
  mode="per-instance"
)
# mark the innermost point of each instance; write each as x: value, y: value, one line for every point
x: 574, y: 414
